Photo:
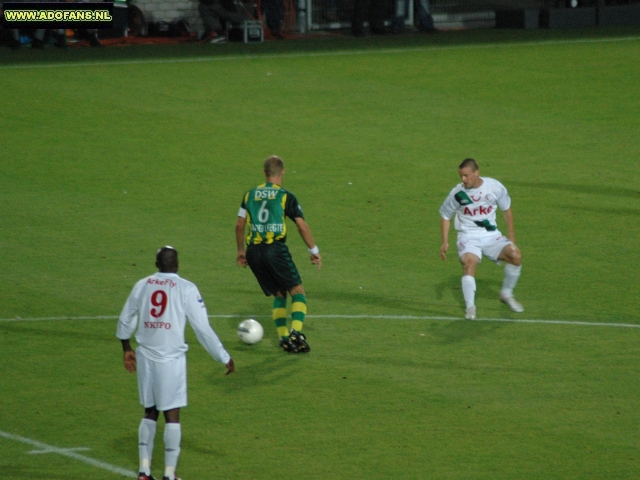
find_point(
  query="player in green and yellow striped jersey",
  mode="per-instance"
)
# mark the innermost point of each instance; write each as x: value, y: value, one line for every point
x: 264, y: 210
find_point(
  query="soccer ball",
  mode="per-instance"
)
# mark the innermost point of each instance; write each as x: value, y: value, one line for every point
x: 250, y: 331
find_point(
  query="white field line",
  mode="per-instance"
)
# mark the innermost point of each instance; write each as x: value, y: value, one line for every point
x: 69, y: 452
x: 336, y: 53
x: 373, y: 317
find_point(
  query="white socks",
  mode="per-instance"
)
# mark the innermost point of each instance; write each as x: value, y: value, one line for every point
x: 469, y: 290
x: 511, y: 276
x: 146, y: 436
x: 172, y: 437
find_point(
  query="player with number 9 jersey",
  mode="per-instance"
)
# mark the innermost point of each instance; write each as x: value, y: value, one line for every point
x: 159, y: 307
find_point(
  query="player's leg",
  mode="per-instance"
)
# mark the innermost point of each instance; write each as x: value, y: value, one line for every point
x: 470, y: 263
x: 280, y: 320
x: 259, y: 258
x: 513, y: 257
x: 470, y: 255
x: 298, y: 307
x: 172, y: 396
x: 147, y: 428
x: 284, y: 273
x: 172, y: 441
x: 298, y: 314
x: 279, y: 314
x: 146, y: 439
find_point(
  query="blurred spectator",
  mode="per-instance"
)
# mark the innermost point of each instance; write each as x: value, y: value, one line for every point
x: 274, y: 11
x: 215, y: 14
x: 330, y: 11
x: 377, y: 13
x: 38, y: 39
x: 91, y: 35
x: 423, y: 16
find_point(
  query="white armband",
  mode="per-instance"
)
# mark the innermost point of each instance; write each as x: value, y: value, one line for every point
x: 314, y: 251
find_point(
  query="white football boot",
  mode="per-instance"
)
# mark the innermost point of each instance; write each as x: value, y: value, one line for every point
x: 514, y: 305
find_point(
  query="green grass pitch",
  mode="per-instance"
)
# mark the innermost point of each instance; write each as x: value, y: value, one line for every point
x: 109, y: 154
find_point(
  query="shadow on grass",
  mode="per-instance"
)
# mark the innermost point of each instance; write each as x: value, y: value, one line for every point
x: 252, y: 303
x: 485, y: 288
x: 261, y: 364
x: 375, y: 304
x: 463, y: 331
x: 21, y: 473
x: 202, y: 448
x: 608, y: 211
x: 126, y: 446
x: 378, y: 304
x: 28, y: 331
x: 621, y: 192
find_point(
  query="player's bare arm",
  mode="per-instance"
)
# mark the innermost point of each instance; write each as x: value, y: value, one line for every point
x: 445, y: 225
x: 129, y: 356
x: 241, y: 258
x: 511, y: 253
x: 231, y: 367
x: 508, y: 219
x: 305, y: 233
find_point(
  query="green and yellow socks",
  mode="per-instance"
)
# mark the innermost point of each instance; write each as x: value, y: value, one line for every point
x: 280, y: 316
x: 298, y: 312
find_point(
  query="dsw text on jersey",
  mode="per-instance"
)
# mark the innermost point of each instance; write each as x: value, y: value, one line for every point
x: 266, y: 194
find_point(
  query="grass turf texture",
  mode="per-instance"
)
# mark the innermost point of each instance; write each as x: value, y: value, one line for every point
x: 103, y: 163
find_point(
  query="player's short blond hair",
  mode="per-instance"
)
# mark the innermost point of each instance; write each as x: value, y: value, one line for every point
x: 471, y: 163
x: 273, y: 166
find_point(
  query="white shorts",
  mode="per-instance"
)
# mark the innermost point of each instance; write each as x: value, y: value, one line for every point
x: 162, y: 385
x: 488, y: 245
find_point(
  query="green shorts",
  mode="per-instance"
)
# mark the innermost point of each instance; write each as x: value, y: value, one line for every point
x: 273, y: 267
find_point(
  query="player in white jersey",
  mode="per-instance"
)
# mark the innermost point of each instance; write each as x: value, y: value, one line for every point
x: 474, y: 203
x: 159, y: 307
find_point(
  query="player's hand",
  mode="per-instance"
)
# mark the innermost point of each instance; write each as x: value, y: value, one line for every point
x: 316, y: 260
x: 130, y: 361
x: 231, y: 367
x: 241, y: 259
x: 443, y: 251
